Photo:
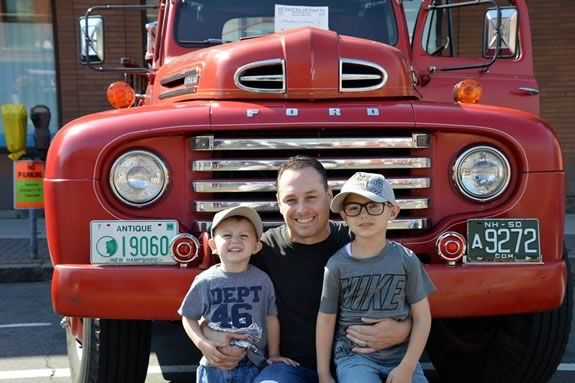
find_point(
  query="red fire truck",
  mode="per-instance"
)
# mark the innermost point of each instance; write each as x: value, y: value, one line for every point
x: 437, y: 95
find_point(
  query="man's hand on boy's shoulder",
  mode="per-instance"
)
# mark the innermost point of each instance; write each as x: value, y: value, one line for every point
x: 378, y: 334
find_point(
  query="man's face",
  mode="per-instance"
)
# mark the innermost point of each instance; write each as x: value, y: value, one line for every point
x: 304, y: 205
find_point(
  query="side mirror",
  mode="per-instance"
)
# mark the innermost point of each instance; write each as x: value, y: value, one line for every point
x: 91, y: 39
x: 150, y: 40
x: 509, y: 25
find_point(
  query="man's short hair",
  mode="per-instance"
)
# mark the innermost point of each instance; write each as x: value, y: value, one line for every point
x: 302, y: 162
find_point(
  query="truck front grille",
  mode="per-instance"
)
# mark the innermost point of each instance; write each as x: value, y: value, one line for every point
x: 231, y: 170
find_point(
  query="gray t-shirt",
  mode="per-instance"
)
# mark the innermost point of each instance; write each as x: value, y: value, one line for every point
x: 233, y: 301
x: 383, y: 286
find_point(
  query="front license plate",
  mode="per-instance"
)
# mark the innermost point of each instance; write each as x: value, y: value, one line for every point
x: 503, y: 240
x: 131, y: 242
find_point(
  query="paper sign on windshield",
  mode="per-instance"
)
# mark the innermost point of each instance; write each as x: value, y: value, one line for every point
x: 293, y: 16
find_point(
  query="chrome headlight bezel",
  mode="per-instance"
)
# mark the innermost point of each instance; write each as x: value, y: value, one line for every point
x: 503, y: 165
x: 116, y: 189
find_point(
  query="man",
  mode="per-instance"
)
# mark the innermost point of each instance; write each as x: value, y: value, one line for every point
x: 294, y: 256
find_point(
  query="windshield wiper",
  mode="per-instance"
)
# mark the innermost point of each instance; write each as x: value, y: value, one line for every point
x: 205, y: 42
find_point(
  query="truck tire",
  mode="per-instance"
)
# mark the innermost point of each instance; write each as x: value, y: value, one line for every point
x: 515, y: 348
x: 112, y: 351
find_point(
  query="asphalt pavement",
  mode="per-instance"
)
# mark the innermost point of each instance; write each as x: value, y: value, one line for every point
x: 19, y: 263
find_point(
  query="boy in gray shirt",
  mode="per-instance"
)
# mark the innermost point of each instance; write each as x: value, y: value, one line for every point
x: 235, y: 297
x: 376, y: 278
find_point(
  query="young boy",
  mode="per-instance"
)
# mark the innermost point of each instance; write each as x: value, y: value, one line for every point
x: 235, y: 297
x: 371, y: 277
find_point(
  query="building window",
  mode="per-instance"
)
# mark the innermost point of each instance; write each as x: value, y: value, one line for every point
x: 27, y: 59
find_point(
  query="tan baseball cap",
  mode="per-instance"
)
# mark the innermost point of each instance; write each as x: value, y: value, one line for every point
x: 369, y: 185
x: 239, y: 211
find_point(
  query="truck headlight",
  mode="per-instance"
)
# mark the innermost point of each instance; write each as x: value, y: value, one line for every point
x: 482, y: 173
x: 139, y: 178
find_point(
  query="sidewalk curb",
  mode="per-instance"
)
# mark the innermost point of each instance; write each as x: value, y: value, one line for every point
x: 35, y: 271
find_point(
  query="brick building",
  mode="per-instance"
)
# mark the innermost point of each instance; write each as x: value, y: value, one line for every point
x: 39, y: 46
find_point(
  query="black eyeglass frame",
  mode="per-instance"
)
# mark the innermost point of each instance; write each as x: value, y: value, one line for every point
x: 365, y: 206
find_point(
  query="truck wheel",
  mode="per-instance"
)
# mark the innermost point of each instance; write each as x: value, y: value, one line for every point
x: 112, y: 351
x: 514, y: 348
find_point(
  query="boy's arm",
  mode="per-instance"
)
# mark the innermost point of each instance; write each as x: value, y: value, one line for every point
x: 273, y: 339
x: 207, y: 347
x: 273, y: 334
x: 378, y: 334
x: 421, y: 315
x: 324, y: 333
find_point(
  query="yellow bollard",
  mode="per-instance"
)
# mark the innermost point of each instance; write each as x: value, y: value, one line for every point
x: 15, y: 121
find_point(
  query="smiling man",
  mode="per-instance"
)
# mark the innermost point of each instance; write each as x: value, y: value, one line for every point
x: 294, y: 256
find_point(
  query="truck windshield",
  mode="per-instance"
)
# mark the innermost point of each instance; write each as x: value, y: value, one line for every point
x: 209, y: 22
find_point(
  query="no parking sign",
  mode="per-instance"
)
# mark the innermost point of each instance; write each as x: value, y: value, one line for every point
x: 28, y: 189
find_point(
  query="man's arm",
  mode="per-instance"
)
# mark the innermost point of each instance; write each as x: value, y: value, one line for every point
x: 207, y: 347
x: 230, y: 355
x: 378, y: 334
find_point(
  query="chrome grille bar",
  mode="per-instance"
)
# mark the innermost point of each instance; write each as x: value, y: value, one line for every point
x: 277, y: 78
x: 224, y: 186
x: 329, y: 164
x: 398, y: 224
x: 355, y: 77
x: 209, y: 143
x: 266, y: 206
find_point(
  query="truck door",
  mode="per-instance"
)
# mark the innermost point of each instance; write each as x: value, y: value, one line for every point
x: 452, y: 39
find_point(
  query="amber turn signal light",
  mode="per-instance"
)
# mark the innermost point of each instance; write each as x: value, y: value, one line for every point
x: 120, y: 95
x: 467, y: 91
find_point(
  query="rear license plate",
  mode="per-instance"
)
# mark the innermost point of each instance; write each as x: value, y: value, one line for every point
x: 131, y: 242
x: 503, y: 240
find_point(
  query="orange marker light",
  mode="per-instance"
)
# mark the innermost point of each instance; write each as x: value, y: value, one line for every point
x: 467, y: 91
x: 121, y: 95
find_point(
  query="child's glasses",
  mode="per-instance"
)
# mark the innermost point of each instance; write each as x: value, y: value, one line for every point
x: 372, y: 208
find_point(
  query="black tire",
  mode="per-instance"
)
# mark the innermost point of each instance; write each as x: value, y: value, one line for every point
x: 112, y: 351
x: 516, y: 348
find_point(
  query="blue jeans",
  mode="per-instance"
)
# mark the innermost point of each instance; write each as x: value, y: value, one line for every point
x: 284, y: 373
x: 357, y: 368
x: 245, y: 372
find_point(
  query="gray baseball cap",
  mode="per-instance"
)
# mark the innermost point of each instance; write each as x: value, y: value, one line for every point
x: 239, y: 211
x: 369, y: 185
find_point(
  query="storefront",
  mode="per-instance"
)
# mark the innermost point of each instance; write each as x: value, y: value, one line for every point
x: 27, y: 59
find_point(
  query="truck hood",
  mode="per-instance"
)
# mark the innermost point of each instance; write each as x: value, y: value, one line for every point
x: 302, y: 63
